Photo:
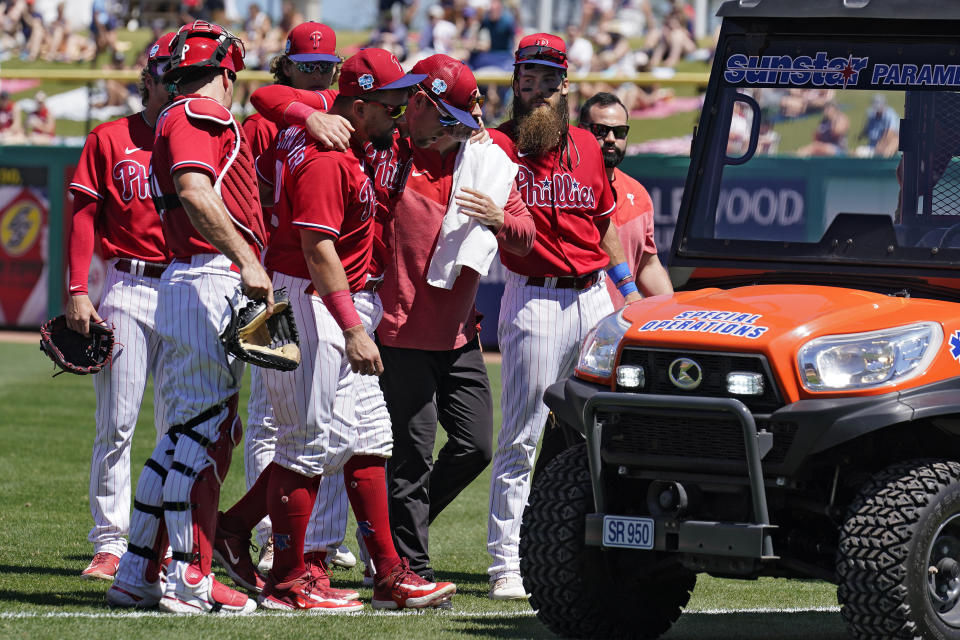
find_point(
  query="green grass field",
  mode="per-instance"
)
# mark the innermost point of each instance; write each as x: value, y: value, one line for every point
x: 46, y: 430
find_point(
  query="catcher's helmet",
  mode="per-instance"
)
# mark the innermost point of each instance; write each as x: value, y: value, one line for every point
x: 201, y: 45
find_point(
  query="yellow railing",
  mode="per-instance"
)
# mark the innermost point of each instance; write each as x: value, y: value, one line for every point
x: 91, y: 75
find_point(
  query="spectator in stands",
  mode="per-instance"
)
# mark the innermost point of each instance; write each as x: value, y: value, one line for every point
x: 11, y: 124
x: 830, y: 136
x: 103, y: 28
x: 290, y: 17
x: 881, y: 130
x: 674, y: 40
x: 385, y: 18
x: 62, y: 45
x: 41, y: 123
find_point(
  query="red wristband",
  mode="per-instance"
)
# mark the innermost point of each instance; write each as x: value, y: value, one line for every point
x: 297, y: 113
x: 340, y: 306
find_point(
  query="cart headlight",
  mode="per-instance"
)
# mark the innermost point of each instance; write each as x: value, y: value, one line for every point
x: 864, y: 360
x: 599, y: 350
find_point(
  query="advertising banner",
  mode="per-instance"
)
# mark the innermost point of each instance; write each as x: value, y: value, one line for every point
x: 24, y: 248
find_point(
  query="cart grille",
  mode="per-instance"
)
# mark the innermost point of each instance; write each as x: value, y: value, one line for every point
x: 715, y: 367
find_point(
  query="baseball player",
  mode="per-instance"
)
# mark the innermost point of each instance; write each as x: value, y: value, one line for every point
x: 204, y: 188
x: 320, y: 254
x: 310, y: 63
x: 605, y: 117
x: 111, y: 197
x: 433, y: 363
x: 555, y: 294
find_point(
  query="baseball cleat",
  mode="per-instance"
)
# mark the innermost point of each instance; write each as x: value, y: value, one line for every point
x: 265, y: 563
x: 341, y: 557
x: 368, y: 575
x: 508, y: 587
x: 305, y: 594
x: 102, y: 567
x: 317, y: 569
x: 196, y: 593
x: 232, y: 551
x: 401, y: 588
x: 136, y: 596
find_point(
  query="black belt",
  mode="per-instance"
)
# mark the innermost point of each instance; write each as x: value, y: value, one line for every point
x: 565, y: 282
x: 140, y: 268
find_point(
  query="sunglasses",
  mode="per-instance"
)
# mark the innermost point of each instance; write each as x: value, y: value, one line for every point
x: 538, y: 52
x: 393, y: 110
x: 445, y: 119
x: 601, y: 130
x: 315, y: 67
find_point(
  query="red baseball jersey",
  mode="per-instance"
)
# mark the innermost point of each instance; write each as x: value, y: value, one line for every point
x: 417, y: 315
x: 272, y: 101
x: 325, y: 191
x: 113, y: 168
x: 199, y: 134
x: 633, y: 219
x: 568, y: 194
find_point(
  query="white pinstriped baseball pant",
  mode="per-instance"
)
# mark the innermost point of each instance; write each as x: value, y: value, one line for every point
x: 129, y: 304
x: 315, y: 405
x: 540, y: 331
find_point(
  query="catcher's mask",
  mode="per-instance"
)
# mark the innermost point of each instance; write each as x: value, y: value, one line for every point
x: 201, y: 45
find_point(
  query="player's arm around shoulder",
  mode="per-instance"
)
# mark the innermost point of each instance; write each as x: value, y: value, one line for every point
x: 330, y: 281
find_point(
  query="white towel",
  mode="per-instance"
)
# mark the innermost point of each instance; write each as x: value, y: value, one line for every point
x: 464, y: 241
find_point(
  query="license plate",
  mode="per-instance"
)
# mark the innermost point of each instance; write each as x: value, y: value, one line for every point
x: 628, y: 533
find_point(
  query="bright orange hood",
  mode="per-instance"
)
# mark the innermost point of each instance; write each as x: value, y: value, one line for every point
x: 775, y: 320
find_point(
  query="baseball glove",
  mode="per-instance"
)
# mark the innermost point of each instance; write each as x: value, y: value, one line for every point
x: 73, y: 352
x: 266, y: 342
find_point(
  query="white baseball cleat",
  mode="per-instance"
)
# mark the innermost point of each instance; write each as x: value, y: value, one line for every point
x: 139, y: 596
x: 341, y: 557
x: 195, y: 593
x: 508, y: 586
x: 265, y: 562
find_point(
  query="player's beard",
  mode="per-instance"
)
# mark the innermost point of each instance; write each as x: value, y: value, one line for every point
x: 382, y: 142
x: 540, y: 130
x: 612, y: 156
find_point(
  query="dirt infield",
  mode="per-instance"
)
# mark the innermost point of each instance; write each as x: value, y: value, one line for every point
x: 21, y: 337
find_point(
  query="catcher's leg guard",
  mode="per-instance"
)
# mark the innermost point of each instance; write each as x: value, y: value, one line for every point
x: 148, y: 539
x: 192, y: 491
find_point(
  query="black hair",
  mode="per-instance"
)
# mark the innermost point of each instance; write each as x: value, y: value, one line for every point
x: 602, y: 99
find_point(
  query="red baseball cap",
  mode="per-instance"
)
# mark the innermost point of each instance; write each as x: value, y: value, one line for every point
x: 374, y: 70
x: 451, y: 83
x: 312, y: 42
x: 542, y: 48
x: 159, y: 55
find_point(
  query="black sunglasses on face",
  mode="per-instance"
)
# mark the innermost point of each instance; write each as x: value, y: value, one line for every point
x: 393, y: 110
x: 315, y: 67
x: 601, y: 130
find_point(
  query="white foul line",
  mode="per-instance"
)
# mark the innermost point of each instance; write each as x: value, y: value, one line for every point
x: 119, y: 615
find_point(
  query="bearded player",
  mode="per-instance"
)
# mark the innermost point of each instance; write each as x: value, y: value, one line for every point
x: 111, y: 198
x: 555, y: 294
x: 205, y: 190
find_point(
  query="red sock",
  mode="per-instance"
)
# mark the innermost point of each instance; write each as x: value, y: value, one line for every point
x: 366, y: 481
x: 290, y: 498
x: 251, y: 508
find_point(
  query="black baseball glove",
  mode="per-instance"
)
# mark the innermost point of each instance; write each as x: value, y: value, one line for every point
x: 266, y: 342
x: 73, y: 352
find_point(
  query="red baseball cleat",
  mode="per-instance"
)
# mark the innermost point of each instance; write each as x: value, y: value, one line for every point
x: 136, y: 596
x: 232, y: 551
x: 404, y: 589
x: 305, y: 594
x: 102, y: 567
x: 196, y: 593
x: 318, y: 569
